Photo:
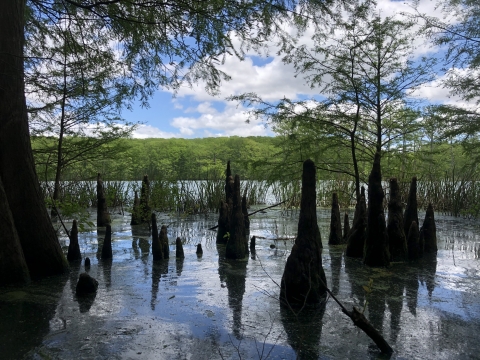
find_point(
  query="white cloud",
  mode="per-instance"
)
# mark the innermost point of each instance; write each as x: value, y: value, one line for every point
x: 148, y: 131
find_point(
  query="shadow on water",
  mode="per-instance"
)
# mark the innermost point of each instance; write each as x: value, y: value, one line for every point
x: 304, y: 330
x: 26, y: 313
x: 159, y: 268
x: 336, y: 267
x: 233, y: 273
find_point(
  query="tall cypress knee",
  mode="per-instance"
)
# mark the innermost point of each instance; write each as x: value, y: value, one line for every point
x: 163, y: 239
x: 335, y: 237
x: 358, y: 233
x: 157, y: 247
x: 107, y: 244
x: 303, y: 281
x: 413, y: 240
x: 145, y: 209
x: 428, y: 233
x: 411, y: 210
x: 74, y: 248
x: 376, y: 242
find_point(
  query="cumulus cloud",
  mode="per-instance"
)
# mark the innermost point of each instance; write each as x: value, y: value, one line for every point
x: 147, y: 131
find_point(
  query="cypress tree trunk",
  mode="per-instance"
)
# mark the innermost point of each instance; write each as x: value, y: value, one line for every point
x: 396, y: 235
x: 13, y: 268
x: 428, y: 233
x: 346, y: 228
x: 376, y: 242
x: 236, y: 244
x: 304, y: 278
x: 38, y: 239
x: 358, y: 232
x: 103, y: 218
x: 411, y: 211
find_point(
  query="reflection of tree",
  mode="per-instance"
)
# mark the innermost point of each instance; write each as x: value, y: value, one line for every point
x: 427, y: 272
x: 159, y: 268
x: 304, y: 330
x: 411, y: 288
x: 395, y: 304
x: 26, y: 321
x: 376, y: 308
x: 145, y: 248
x: 352, y: 267
x: 107, y: 272
x: 179, y: 266
x: 233, y: 273
x: 136, y: 252
x: 335, y: 266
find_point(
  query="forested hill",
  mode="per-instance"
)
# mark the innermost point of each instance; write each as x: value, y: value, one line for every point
x: 130, y: 159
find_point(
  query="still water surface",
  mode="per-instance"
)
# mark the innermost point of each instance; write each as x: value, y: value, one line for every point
x: 210, y: 308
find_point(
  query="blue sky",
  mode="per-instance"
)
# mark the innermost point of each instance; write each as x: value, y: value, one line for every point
x: 194, y: 113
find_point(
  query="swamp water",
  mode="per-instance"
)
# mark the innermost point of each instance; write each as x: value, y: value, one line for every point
x: 209, y: 308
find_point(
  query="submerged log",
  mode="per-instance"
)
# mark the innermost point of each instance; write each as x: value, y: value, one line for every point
x: 346, y: 228
x: 179, y: 254
x: 157, y: 248
x: 413, y: 241
x: 107, y: 243
x: 396, y: 234
x: 411, y: 210
x: 428, y: 233
x: 145, y: 208
x: 236, y: 244
x: 136, y: 211
x: 335, y: 237
x: 13, y: 267
x: 303, y: 281
x: 376, y: 241
x: 163, y: 238
x: 358, y: 232
x: 103, y: 218
x: 74, y: 248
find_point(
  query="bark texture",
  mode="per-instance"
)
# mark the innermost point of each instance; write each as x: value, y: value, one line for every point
x: 413, y: 241
x: 358, y: 232
x: 303, y: 281
x: 74, y: 248
x: 411, y: 210
x: 428, y: 233
x: 38, y: 239
x: 13, y: 268
x: 103, y: 217
x: 236, y: 245
x: 376, y: 241
x: 163, y: 238
x: 396, y: 234
x: 346, y: 228
x: 335, y: 237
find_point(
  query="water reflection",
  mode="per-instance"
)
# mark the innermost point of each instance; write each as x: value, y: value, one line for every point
x: 394, y: 300
x: 106, y: 265
x: 304, y: 330
x: 233, y: 273
x: 136, y: 252
x: 335, y: 266
x: 159, y: 268
x: 26, y: 314
x: 411, y: 288
x: 428, y: 271
x: 179, y: 265
x: 352, y: 268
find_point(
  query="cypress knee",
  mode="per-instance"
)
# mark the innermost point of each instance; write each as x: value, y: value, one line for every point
x: 157, y: 248
x: 411, y: 210
x: 163, y: 238
x: 179, y: 254
x: 107, y: 244
x: 303, y: 281
x: 335, y: 237
x: 428, y: 233
x: 74, y: 248
x: 346, y: 228
x: 413, y: 241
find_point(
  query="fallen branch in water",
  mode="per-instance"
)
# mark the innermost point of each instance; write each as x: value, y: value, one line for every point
x: 361, y: 321
x: 268, y: 207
